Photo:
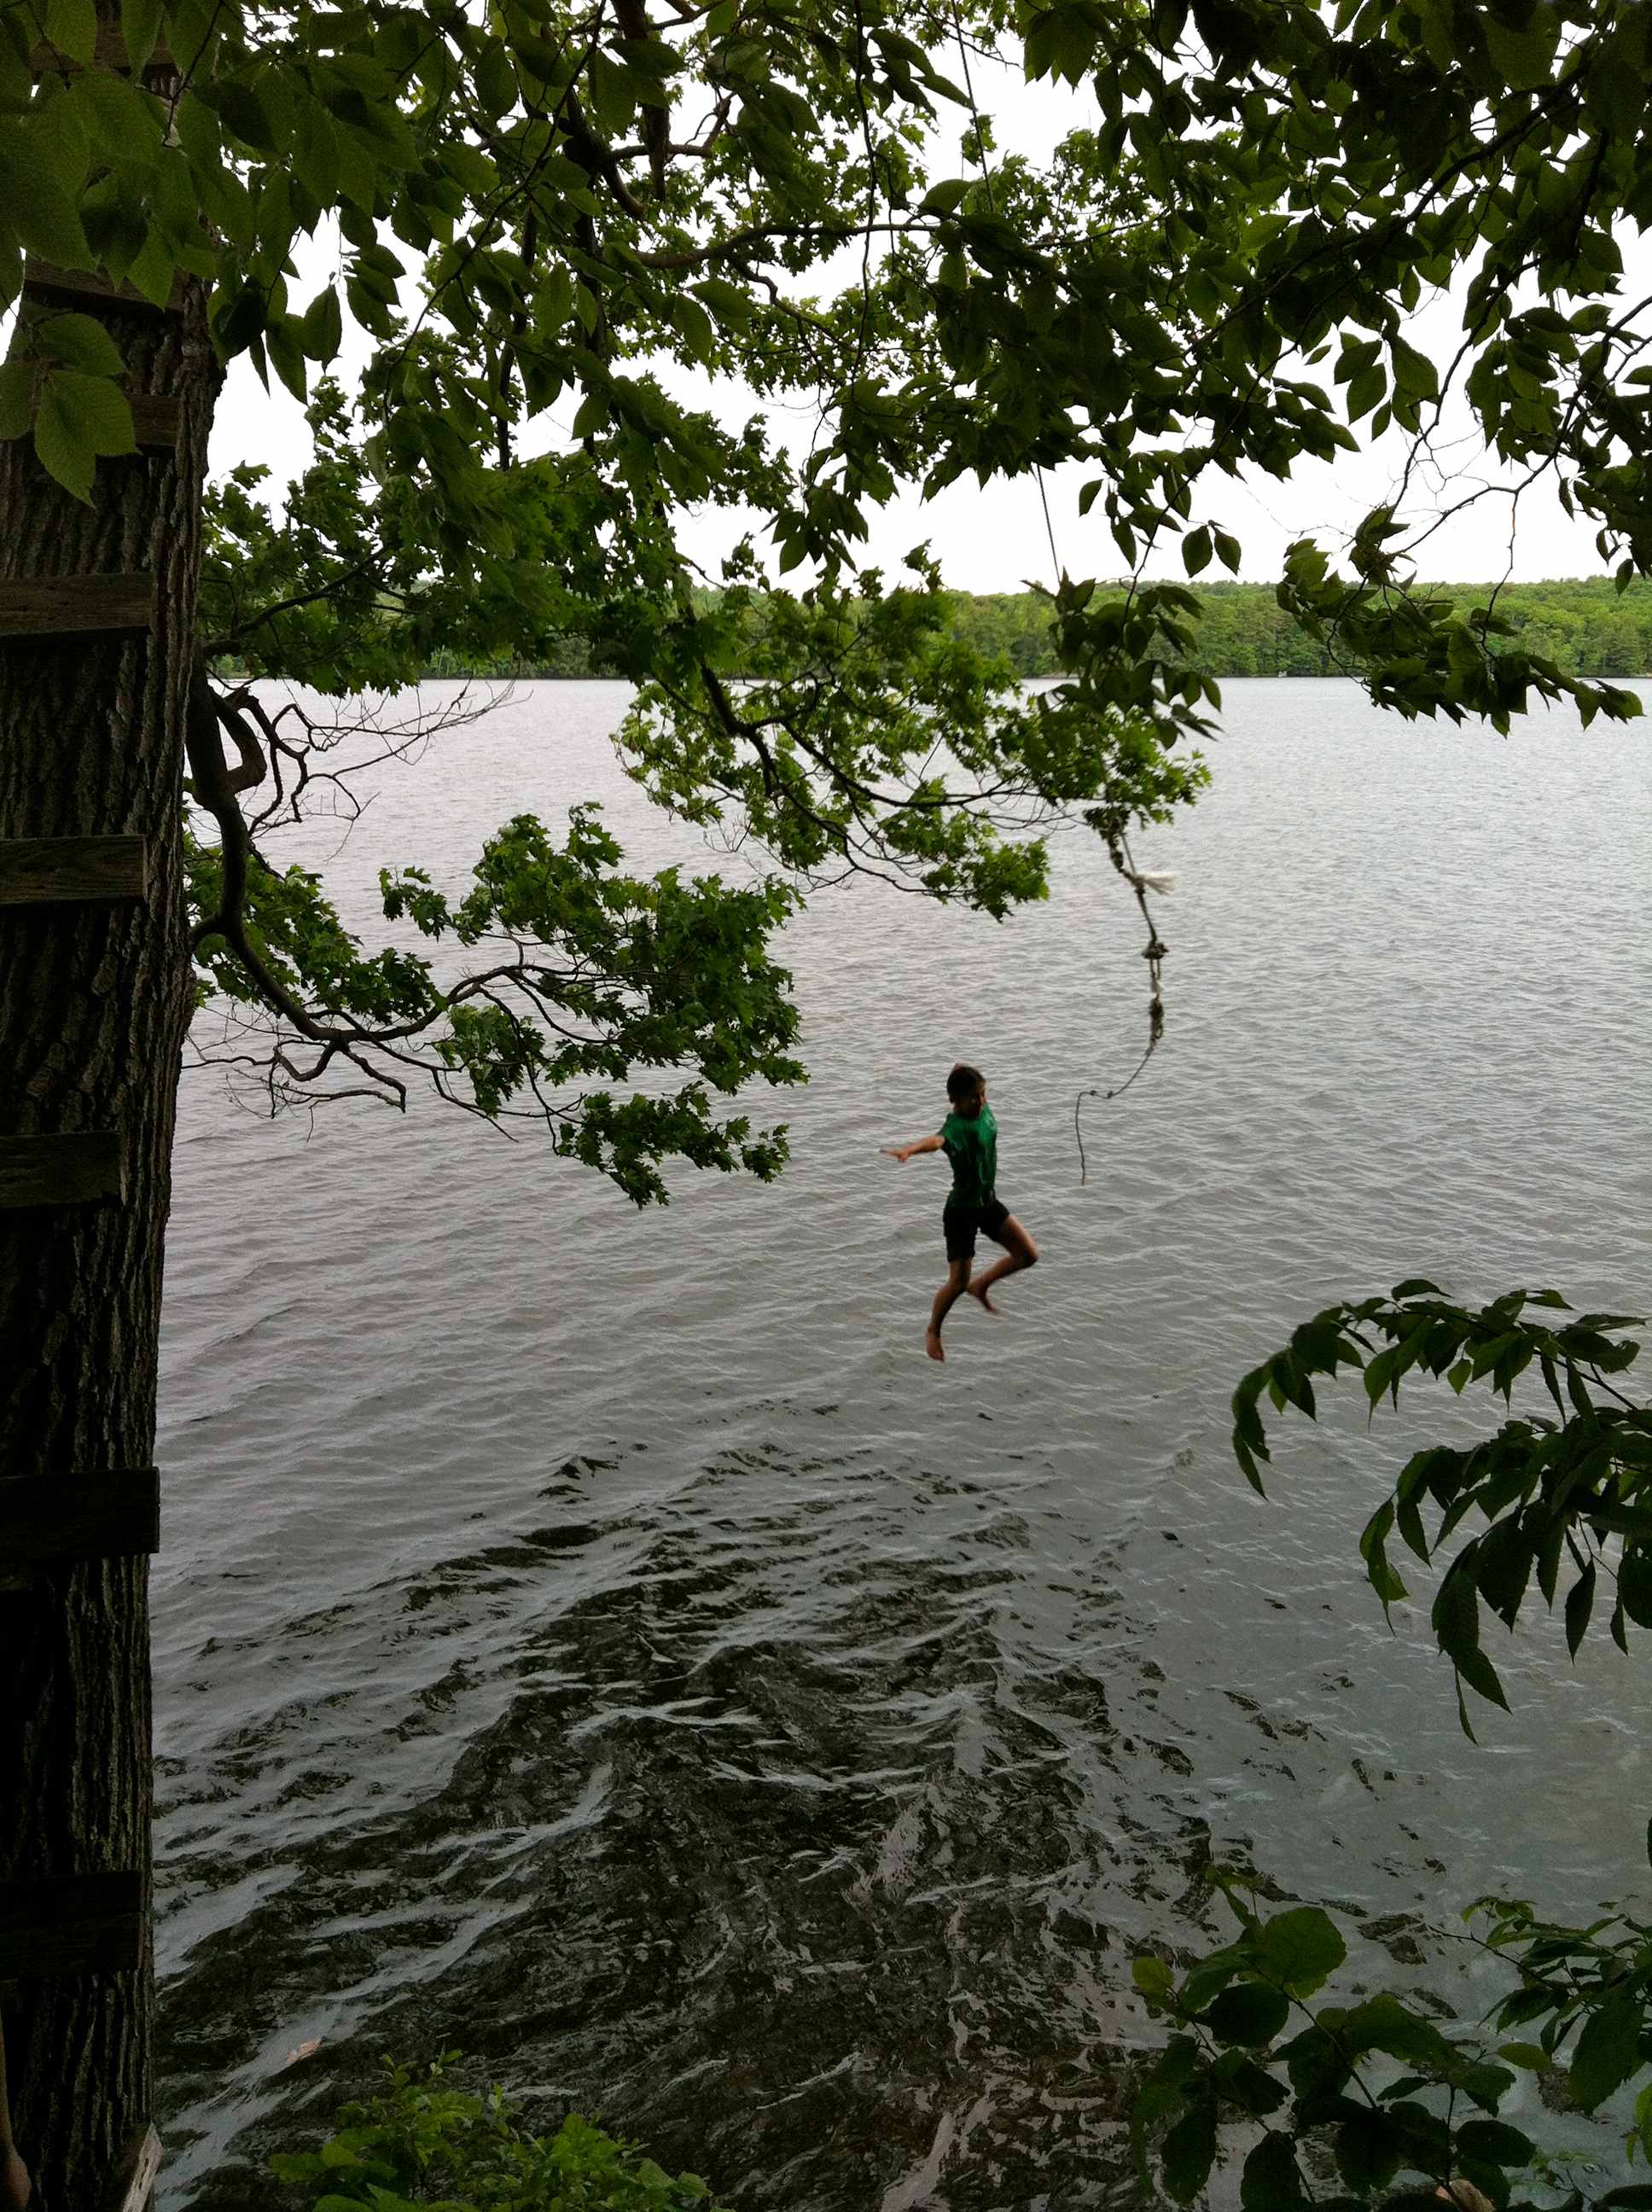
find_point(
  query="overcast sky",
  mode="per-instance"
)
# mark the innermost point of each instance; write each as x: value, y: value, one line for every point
x: 994, y: 539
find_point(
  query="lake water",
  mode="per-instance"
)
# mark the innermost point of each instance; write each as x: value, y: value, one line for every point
x: 602, y: 1642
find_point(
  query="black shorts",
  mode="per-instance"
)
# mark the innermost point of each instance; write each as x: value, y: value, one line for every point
x: 961, y: 1222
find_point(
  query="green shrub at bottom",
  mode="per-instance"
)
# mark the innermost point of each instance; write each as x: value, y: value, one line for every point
x: 422, y: 2143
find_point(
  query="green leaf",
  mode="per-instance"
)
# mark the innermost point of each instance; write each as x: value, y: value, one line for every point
x: 613, y: 91
x: 1635, y: 1585
x: 1456, y: 1615
x: 238, y: 318
x: 1608, y: 2051
x: 494, y: 79
x: 39, y: 211
x: 1389, y: 1586
x: 1580, y: 1602
x: 1365, y: 391
x: 72, y: 27
x: 942, y: 198
x: 694, y: 326
x: 1523, y: 57
x: 1414, y: 373
x: 297, y: 2166
x: 1188, y: 2152
x: 123, y: 122
x: 1495, y: 2143
x: 16, y: 71
x: 1531, y: 2056
x: 99, y: 408
x: 1301, y: 1948
x: 140, y: 28
x: 1208, y: 1976
x: 592, y: 414
x: 61, y: 445
x: 1482, y: 1677
x: 1153, y: 1977
x: 80, y: 342
x: 1270, y: 2177
x: 1249, y: 2013
x: 16, y: 397
x: 321, y: 330
x: 1502, y: 1567
x: 152, y: 269
x: 1369, y: 2151
x: 243, y: 112
x: 1196, y: 551
x: 726, y: 301
x: 287, y: 356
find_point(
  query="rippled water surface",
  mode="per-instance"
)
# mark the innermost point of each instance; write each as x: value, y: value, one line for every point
x: 602, y: 1642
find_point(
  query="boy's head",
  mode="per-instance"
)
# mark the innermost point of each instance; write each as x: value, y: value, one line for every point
x: 966, y: 1087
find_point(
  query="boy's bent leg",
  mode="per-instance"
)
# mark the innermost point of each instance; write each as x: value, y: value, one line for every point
x: 956, y: 1282
x: 1019, y: 1252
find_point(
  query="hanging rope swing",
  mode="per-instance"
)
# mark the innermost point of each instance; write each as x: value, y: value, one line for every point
x: 1143, y: 881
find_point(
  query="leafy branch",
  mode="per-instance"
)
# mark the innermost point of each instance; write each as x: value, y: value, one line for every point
x: 1376, y: 2093
x: 587, y: 977
x: 1564, y: 1493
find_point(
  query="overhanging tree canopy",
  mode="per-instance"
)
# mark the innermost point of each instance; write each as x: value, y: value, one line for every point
x: 552, y: 207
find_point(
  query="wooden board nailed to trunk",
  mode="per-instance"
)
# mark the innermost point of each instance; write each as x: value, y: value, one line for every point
x: 75, y: 606
x: 107, y: 1516
x: 157, y: 418
x: 72, y: 870
x: 133, y: 2187
x: 73, y: 1171
x: 88, y: 1923
x: 90, y: 288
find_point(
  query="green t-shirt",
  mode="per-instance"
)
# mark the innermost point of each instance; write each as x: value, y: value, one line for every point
x: 972, y: 1147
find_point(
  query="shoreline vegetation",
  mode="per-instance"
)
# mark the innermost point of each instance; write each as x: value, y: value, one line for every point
x: 1586, y: 626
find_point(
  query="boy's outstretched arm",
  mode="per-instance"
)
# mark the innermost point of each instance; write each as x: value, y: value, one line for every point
x: 923, y: 1144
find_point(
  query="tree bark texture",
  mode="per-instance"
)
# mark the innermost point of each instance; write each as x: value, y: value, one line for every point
x: 94, y: 1002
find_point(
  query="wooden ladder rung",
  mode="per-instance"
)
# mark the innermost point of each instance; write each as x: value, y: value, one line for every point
x: 157, y: 420
x: 80, y: 1169
x: 133, y: 2186
x: 110, y: 53
x: 60, y: 870
x: 112, y: 1514
x: 88, y: 1924
x: 46, y: 278
x: 76, y: 606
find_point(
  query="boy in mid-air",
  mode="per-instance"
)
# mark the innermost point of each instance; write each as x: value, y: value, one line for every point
x: 968, y: 1137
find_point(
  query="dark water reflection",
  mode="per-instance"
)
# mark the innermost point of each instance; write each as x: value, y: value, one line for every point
x: 603, y: 1643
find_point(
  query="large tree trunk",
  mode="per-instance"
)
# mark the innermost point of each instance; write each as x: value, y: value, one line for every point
x: 94, y: 1002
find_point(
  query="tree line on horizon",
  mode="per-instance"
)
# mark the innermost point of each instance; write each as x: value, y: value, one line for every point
x: 1588, y: 626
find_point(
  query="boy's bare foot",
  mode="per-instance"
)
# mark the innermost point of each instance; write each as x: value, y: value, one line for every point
x: 932, y: 1344
x: 983, y: 1298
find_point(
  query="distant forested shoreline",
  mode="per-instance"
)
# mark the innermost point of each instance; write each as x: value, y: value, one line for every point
x: 1586, y: 626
